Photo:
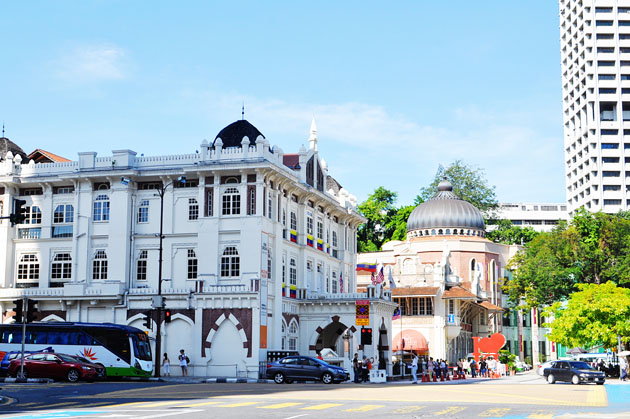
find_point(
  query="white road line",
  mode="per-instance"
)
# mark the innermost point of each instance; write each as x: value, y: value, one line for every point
x: 181, y: 412
x: 298, y: 416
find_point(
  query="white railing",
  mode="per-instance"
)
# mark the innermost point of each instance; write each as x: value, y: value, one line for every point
x: 30, y: 292
x: 336, y: 296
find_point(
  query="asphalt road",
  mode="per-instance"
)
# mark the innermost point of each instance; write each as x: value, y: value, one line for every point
x: 491, y: 399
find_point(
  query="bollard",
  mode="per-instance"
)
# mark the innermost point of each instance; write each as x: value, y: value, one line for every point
x: 424, y: 378
x: 434, y: 377
x: 447, y: 376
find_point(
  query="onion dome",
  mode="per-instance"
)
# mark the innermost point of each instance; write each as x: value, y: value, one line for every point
x: 445, y: 214
x: 233, y: 134
x: 7, y: 145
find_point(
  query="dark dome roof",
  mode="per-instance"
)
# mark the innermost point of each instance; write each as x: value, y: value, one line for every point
x: 233, y: 134
x: 445, y: 210
x: 7, y: 145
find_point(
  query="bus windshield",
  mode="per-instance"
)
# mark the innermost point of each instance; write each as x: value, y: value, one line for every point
x: 141, y: 346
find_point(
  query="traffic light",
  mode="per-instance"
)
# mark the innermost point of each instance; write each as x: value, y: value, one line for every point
x: 167, y: 316
x: 19, y: 212
x: 31, y: 310
x: 147, y: 319
x: 366, y: 336
x: 19, y: 310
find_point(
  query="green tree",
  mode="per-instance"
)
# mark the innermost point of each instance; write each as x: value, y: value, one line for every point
x: 469, y: 183
x: 508, y: 233
x: 379, y: 210
x: 594, y: 315
x: 398, y: 223
x: 591, y: 249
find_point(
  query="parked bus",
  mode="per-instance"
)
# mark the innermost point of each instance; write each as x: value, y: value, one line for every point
x: 122, y: 350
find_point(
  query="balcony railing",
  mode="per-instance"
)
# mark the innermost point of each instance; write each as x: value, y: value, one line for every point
x: 30, y: 233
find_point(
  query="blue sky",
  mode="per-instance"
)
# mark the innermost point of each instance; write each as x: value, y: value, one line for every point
x: 396, y: 88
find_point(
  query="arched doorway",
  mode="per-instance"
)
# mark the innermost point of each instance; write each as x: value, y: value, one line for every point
x: 332, y: 337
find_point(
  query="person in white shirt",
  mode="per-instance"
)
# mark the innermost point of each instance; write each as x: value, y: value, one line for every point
x: 183, y: 362
x: 414, y: 370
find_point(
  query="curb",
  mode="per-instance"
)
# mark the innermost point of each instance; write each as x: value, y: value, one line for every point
x: 28, y: 380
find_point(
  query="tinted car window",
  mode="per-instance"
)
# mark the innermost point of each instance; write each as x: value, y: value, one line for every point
x: 37, y: 357
x: 581, y: 366
x: 288, y: 361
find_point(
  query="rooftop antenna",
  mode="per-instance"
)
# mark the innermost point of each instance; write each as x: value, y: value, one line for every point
x: 243, y: 111
x: 3, y: 130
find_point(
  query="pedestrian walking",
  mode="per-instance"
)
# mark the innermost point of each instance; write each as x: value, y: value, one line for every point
x: 166, y: 364
x: 473, y: 368
x: 414, y: 370
x: 183, y: 362
x: 623, y: 368
x: 356, y: 366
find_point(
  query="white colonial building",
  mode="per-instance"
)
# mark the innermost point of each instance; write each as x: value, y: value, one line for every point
x: 259, y: 248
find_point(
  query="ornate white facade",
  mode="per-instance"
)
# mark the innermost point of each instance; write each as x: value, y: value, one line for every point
x: 256, y: 244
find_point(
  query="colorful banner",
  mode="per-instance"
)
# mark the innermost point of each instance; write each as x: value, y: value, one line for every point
x: 309, y: 240
x: 293, y: 236
x: 362, y: 308
x: 366, y: 267
x: 293, y: 291
x: 320, y: 245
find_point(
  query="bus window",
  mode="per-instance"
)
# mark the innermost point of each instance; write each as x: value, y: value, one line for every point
x: 58, y: 337
x: 4, y: 336
x: 15, y: 336
x: 36, y: 336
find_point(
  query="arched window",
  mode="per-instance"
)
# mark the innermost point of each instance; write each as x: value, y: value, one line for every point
x: 99, y: 265
x: 440, y: 232
x: 143, y: 211
x: 230, y: 263
x: 192, y: 264
x: 293, y: 335
x: 63, y: 214
x: 231, y: 202
x: 101, y: 208
x: 61, y: 266
x: 448, y: 231
x: 193, y: 209
x: 433, y: 232
x: 141, y: 266
x: 408, y: 266
x: 28, y: 268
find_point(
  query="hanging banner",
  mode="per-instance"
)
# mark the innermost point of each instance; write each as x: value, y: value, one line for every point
x: 362, y: 308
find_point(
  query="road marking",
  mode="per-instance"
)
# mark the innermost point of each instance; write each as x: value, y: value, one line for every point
x: 156, y: 404
x: 597, y: 396
x: 450, y: 410
x: 495, y: 413
x: 186, y: 412
x: 297, y: 416
x: 408, y: 409
x: 197, y: 404
x: 278, y: 406
x: 239, y: 404
x: 541, y: 414
x: 322, y: 406
x: 123, y: 404
x: 365, y: 408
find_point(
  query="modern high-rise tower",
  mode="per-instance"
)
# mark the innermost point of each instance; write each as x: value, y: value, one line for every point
x: 595, y: 42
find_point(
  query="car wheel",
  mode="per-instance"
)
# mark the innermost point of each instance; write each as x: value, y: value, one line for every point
x: 327, y: 378
x: 21, y: 375
x: 551, y: 379
x: 73, y: 375
x: 575, y: 379
x: 278, y: 378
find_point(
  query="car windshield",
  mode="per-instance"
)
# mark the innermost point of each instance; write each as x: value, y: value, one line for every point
x: 581, y: 366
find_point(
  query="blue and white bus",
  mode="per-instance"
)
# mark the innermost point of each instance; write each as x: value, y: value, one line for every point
x: 122, y: 350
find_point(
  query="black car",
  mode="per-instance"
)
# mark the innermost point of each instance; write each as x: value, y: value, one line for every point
x: 301, y: 368
x: 575, y: 372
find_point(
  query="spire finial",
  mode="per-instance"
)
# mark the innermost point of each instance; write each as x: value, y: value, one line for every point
x: 243, y: 111
x: 3, y: 130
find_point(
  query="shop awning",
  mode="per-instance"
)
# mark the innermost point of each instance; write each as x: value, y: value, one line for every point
x: 410, y: 340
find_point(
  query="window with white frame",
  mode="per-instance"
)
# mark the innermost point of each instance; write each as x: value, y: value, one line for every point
x: 143, y: 211
x: 230, y: 263
x: 451, y: 306
x: 231, y: 202
x: 141, y: 266
x: 335, y: 284
x: 28, y: 268
x: 269, y: 205
x: 64, y: 213
x: 101, y: 208
x: 193, y: 209
x: 61, y: 267
x: 309, y: 225
x: 293, y: 335
x: 284, y: 269
x: 284, y: 336
x: 33, y: 215
x: 99, y: 265
x: 293, y: 221
x: 334, y: 239
x: 192, y: 264
x: 284, y: 217
x: 292, y: 272
x: 320, y: 230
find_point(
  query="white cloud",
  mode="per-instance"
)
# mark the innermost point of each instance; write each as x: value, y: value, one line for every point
x: 518, y: 155
x: 91, y: 63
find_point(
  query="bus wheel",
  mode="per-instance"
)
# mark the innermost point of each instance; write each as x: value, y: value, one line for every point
x: 73, y: 375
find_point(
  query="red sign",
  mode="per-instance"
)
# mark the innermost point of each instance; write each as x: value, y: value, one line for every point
x: 488, y: 346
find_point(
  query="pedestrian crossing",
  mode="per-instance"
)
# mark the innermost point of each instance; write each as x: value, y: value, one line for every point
x: 106, y: 408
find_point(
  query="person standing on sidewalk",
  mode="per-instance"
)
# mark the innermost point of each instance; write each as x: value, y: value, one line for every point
x: 414, y: 370
x: 430, y: 368
x: 365, y: 370
x: 623, y: 368
x: 166, y: 363
x: 183, y: 362
x: 356, y: 367
x: 473, y: 368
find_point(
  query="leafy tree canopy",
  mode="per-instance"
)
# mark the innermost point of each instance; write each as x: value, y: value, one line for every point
x: 379, y: 210
x: 469, y: 184
x: 594, y: 315
x: 591, y: 249
x: 507, y: 233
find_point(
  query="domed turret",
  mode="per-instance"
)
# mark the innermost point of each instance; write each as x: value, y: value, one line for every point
x: 445, y: 214
x: 233, y: 134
